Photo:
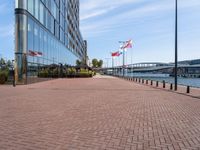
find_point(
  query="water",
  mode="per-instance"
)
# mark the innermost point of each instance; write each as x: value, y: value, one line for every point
x: 193, y: 82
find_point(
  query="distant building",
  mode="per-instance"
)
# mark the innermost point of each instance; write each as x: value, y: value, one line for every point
x: 190, y: 62
x: 46, y: 33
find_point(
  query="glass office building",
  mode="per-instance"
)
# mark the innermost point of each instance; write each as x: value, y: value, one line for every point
x: 46, y: 33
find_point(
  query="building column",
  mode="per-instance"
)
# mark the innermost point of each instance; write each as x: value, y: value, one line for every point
x: 20, y: 48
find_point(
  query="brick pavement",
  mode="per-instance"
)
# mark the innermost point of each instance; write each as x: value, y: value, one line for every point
x: 97, y: 114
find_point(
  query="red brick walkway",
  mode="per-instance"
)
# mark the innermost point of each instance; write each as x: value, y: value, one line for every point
x: 96, y: 114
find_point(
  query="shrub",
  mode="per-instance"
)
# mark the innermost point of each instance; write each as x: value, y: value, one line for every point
x: 43, y: 73
x: 3, y: 77
x: 71, y: 72
x: 55, y: 73
x: 83, y: 74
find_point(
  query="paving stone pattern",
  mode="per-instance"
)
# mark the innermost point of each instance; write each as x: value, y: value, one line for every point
x: 97, y: 114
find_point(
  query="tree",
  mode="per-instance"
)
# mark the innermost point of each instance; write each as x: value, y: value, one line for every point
x: 78, y: 62
x: 2, y: 61
x: 9, y: 63
x: 100, y: 63
x: 95, y: 63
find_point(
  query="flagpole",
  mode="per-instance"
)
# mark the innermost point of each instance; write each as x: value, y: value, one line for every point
x: 176, y: 47
x: 112, y: 62
x: 112, y: 65
x: 123, y: 62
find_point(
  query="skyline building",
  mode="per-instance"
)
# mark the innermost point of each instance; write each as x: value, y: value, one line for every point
x: 46, y: 33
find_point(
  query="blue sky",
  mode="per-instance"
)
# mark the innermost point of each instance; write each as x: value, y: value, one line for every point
x: 7, y: 29
x: 150, y: 23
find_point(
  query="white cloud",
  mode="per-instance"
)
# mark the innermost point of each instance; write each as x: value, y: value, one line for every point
x: 94, y: 8
x: 95, y: 13
x: 126, y: 18
x: 151, y: 11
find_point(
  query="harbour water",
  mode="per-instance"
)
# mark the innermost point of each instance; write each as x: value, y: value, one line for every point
x: 193, y: 82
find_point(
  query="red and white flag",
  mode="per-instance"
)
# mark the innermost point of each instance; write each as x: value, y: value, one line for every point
x: 115, y: 54
x: 34, y: 53
x: 128, y: 44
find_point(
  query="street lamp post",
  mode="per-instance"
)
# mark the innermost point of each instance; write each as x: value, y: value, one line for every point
x: 61, y: 70
x: 13, y: 72
x: 176, y: 47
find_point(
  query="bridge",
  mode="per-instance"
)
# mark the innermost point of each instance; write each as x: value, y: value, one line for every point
x: 155, y: 67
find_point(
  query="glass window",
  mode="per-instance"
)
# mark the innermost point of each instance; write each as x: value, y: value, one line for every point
x: 57, y: 15
x: 45, y: 53
x: 46, y: 18
x: 41, y: 49
x: 36, y: 37
x: 41, y: 13
x: 31, y: 6
x: 57, y: 30
x: 61, y: 20
x: 49, y: 21
x: 36, y: 9
x: 52, y: 25
x: 49, y: 47
x: 53, y: 8
x: 30, y: 39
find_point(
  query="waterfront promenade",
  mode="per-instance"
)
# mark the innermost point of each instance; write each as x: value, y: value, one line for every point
x: 102, y: 113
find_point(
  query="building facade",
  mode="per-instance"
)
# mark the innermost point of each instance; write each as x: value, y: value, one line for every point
x: 46, y: 33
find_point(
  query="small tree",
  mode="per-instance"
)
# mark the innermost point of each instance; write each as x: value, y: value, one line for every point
x: 95, y: 63
x: 100, y: 63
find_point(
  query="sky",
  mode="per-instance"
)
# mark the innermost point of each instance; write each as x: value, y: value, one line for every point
x: 149, y: 23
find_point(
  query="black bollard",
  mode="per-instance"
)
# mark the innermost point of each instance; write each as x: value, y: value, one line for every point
x: 164, y: 84
x: 157, y: 84
x: 171, y: 86
x: 188, y: 89
x: 151, y: 82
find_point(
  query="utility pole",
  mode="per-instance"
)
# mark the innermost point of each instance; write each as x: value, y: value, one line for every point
x: 176, y: 47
